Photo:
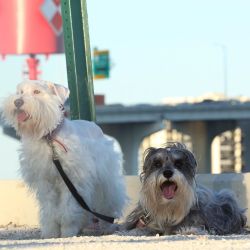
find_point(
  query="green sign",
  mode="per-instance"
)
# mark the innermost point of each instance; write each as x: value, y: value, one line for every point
x: 101, y: 64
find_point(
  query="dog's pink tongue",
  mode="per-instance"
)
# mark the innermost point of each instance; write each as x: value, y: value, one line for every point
x: 22, y: 116
x: 169, y: 190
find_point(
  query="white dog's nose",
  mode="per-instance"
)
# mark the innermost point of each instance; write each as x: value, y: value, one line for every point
x: 18, y: 102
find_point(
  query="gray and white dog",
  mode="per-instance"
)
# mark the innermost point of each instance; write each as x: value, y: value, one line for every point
x: 171, y: 203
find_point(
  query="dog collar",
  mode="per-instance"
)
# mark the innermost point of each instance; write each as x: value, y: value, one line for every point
x: 50, y: 138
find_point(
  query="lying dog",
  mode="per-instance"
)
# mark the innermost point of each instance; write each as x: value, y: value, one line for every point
x: 170, y: 202
x: 91, y: 160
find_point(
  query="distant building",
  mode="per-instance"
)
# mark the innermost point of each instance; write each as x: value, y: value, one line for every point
x: 227, y: 152
x: 209, y: 97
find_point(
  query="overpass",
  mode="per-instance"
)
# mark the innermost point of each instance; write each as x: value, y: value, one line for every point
x: 202, y: 121
x: 209, y: 111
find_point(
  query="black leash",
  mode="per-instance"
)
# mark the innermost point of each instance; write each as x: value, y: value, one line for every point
x: 70, y: 185
x: 76, y: 195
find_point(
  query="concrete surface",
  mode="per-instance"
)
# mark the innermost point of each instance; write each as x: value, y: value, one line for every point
x: 19, y: 222
x: 177, y: 242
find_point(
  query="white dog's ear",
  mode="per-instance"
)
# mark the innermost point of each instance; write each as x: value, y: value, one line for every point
x: 60, y: 91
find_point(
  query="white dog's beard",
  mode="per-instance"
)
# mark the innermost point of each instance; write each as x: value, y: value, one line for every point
x: 167, y: 205
x: 35, y: 118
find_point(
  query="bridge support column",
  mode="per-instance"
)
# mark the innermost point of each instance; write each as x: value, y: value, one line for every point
x: 245, y: 128
x: 201, y: 141
x: 130, y: 136
x: 202, y: 134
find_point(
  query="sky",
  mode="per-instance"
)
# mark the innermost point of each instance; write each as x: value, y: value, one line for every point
x: 158, y: 49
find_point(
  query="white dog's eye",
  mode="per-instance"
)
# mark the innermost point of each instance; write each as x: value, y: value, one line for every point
x: 21, y: 92
x: 36, y: 91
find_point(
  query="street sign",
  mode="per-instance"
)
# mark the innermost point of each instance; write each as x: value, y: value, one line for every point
x: 101, y: 64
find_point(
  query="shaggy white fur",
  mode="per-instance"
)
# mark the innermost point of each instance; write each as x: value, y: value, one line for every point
x: 91, y: 160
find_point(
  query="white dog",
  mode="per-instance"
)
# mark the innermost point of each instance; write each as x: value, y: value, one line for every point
x: 88, y: 157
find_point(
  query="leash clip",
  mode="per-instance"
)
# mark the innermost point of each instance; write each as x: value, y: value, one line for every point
x: 143, y: 221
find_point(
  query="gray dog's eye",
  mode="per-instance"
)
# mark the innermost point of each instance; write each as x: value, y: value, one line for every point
x: 178, y: 163
x: 157, y: 164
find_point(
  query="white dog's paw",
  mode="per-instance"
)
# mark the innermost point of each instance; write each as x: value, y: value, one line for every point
x: 71, y: 230
x: 48, y: 234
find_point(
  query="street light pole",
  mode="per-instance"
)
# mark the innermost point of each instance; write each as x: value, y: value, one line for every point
x: 225, y: 73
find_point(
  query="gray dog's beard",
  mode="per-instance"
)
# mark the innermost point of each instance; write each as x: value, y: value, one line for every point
x: 165, y: 212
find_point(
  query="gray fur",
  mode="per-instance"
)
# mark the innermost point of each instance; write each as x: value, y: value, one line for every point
x: 193, y: 209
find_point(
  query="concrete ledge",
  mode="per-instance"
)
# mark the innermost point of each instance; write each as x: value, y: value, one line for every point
x: 18, y: 205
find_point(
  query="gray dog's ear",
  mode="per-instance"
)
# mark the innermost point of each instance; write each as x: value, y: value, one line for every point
x: 60, y: 91
x: 147, y: 157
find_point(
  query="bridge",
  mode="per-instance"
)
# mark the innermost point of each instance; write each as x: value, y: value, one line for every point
x: 209, y: 111
x: 202, y: 121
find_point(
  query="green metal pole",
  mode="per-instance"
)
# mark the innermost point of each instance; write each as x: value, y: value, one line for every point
x: 78, y: 59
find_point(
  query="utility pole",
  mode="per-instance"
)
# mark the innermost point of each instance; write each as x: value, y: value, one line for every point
x: 78, y: 59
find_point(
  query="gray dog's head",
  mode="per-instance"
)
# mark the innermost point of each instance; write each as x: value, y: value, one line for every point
x: 168, y: 180
x: 168, y: 161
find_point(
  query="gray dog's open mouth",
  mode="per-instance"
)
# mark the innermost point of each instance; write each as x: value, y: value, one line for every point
x: 22, y: 116
x: 168, y: 189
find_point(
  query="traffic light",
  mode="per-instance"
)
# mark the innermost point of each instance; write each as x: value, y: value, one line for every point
x: 101, y: 64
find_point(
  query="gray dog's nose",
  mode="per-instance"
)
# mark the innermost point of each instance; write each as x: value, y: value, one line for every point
x: 18, y: 102
x: 168, y: 173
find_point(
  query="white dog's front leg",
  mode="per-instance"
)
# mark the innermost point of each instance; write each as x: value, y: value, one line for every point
x: 72, y: 225
x: 71, y: 229
x: 49, y: 227
x: 73, y: 217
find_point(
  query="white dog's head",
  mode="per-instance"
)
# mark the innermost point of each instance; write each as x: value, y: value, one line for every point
x: 36, y: 108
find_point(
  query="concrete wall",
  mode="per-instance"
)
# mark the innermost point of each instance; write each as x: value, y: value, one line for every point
x: 18, y: 205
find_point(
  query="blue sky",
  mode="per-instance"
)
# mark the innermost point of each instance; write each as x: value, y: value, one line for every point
x: 167, y: 48
x: 158, y: 48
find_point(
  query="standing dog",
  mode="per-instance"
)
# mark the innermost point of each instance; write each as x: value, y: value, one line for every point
x: 91, y: 160
x: 171, y: 203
